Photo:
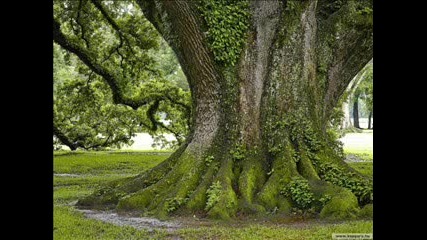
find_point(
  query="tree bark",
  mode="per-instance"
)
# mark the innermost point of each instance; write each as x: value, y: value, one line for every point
x: 257, y: 125
x: 64, y: 139
x: 356, y: 112
x: 346, y: 122
x: 369, y: 120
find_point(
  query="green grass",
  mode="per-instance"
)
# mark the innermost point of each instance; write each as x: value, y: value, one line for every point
x: 360, y: 145
x: 365, y: 168
x: 64, y: 195
x: 87, y: 179
x: 261, y: 232
x: 106, y: 162
x: 69, y: 224
x: 362, y: 150
x: 363, y: 154
x: 94, y: 168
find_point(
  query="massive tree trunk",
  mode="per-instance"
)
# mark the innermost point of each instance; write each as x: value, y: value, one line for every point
x: 259, y: 124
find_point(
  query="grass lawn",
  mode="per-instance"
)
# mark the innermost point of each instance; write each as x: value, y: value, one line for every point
x: 78, y: 174
x: 359, y: 144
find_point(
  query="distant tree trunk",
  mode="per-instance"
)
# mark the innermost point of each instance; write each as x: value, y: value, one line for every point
x: 356, y: 112
x: 369, y: 120
x: 258, y: 124
x: 349, y: 93
x: 346, y: 122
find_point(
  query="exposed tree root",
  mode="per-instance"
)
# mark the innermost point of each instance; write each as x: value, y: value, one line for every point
x: 222, y: 187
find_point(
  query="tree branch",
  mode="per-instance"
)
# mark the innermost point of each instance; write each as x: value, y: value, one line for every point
x: 345, y: 46
x: 63, y: 138
x: 78, y: 20
x: 110, y: 78
x: 113, y: 24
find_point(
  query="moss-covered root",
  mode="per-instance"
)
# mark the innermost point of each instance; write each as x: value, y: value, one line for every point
x: 179, y: 193
x: 342, y: 205
x: 306, y: 168
x: 251, y: 179
x: 282, y: 172
x: 151, y: 197
x: 106, y: 197
x: 221, y: 198
x: 110, y: 194
x: 197, y: 200
x: 367, y: 211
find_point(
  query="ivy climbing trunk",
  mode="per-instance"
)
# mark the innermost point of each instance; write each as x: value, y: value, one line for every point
x: 259, y: 118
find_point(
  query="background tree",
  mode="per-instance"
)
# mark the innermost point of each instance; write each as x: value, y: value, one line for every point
x: 264, y: 78
x: 356, y: 110
x: 349, y: 95
x: 367, y: 94
x: 363, y: 91
x: 85, y: 116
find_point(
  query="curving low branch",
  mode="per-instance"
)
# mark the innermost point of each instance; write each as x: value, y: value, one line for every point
x: 345, y: 46
x: 169, y: 93
x: 63, y: 138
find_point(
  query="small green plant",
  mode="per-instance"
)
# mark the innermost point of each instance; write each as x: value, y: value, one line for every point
x: 239, y: 152
x: 173, y: 204
x: 209, y: 159
x: 213, y: 194
x: 334, y: 174
x: 290, y: 5
x: 365, y: 11
x: 299, y: 192
x: 323, y: 200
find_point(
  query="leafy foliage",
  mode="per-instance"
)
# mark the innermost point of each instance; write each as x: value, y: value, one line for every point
x: 209, y: 159
x: 299, y: 192
x: 299, y: 131
x: 173, y: 204
x: 334, y: 174
x: 213, y: 194
x: 84, y: 112
x: 111, y: 46
x: 365, y: 88
x: 227, y: 22
x: 238, y: 152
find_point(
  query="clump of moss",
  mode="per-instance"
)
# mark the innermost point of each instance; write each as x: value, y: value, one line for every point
x: 367, y: 211
x: 343, y: 205
x: 135, y: 201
